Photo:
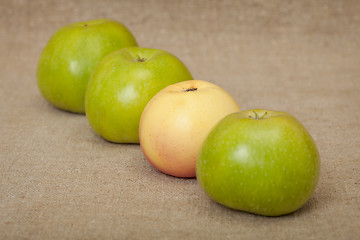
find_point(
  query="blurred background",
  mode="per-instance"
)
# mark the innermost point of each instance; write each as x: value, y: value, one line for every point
x: 302, y: 57
x: 264, y: 47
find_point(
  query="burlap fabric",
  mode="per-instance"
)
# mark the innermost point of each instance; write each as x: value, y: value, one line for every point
x: 59, y: 180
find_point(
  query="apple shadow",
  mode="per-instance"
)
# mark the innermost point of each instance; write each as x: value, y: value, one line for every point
x: 45, y: 106
x: 320, y: 200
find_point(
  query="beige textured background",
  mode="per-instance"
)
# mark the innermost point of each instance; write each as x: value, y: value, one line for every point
x: 58, y: 180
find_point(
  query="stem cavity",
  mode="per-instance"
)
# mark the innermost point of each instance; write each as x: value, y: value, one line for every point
x: 257, y: 117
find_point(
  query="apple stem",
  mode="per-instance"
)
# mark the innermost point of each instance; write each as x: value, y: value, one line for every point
x: 140, y: 59
x: 257, y: 116
x: 190, y: 89
x: 265, y: 113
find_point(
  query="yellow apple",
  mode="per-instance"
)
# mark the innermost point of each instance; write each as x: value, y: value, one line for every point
x: 176, y: 121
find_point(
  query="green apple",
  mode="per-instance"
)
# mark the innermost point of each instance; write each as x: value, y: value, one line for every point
x: 259, y: 161
x: 122, y: 85
x: 71, y: 55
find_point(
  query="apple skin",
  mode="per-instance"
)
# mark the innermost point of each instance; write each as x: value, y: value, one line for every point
x: 122, y: 85
x: 264, y: 163
x: 177, y: 120
x: 71, y: 55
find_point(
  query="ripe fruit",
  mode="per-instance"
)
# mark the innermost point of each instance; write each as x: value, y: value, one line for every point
x: 71, y: 55
x: 122, y: 85
x: 259, y: 161
x: 176, y: 121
